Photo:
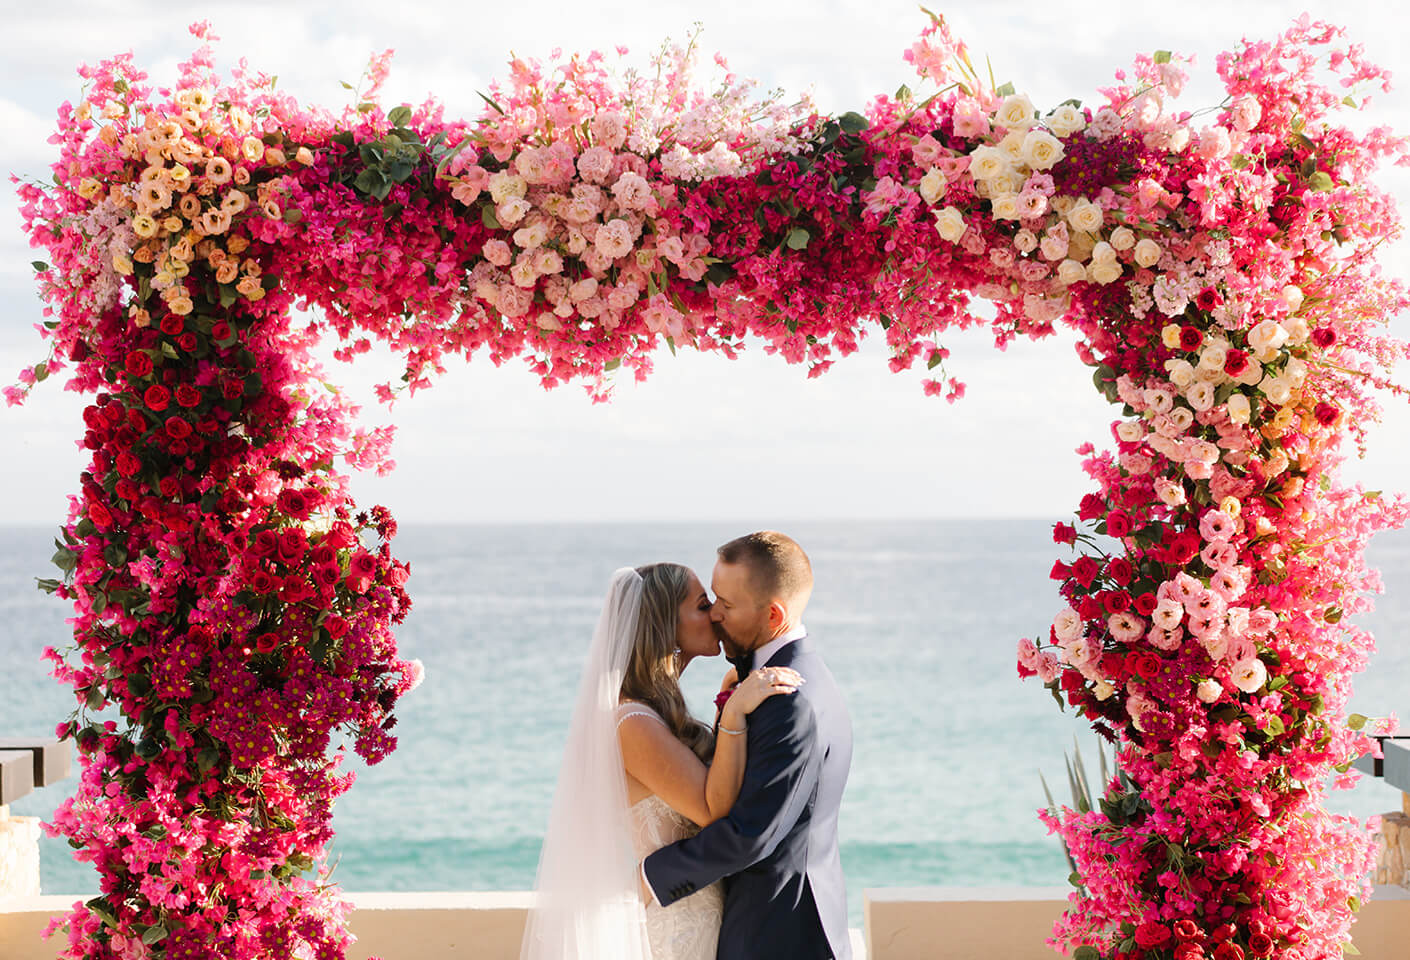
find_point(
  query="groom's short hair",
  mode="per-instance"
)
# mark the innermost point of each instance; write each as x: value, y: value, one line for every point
x: 777, y: 566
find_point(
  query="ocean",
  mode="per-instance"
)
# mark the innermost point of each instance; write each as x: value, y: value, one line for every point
x: 918, y: 619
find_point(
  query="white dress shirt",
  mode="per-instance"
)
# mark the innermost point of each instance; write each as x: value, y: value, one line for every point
x: 761, y: 657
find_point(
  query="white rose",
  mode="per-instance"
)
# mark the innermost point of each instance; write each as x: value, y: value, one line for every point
x: 1103, y: 252
x: 1005, y: 206
x: 1170, y: 335
x: 1295, y: 372
x: 1123, y: 238
x: 1182, y: 418
x: 1147, y: 252
x: 950, y: 223
x: 1026, y: 241
x: 1085, y: 216
x: 1213, y: 356
x: 511, y: 210
x: 1181, y: 373
x: 1200, y: 395
x: 1066, y: 120
x: 1298, y: 331
x: 1209, y: 690
x: 1249, y: 675
x: 986, y: 163
x: 1016, y: 112
x: 1102, y: 690
x: 1070, y: 272
x: 1012, y: 147
x: 1238, y: 408
x: 1292, y: 296
x: 933, y: 185
x: 1276, y: 389
x: 1041, y: 150
x: 1105, y: 271
x: 1268, y: 335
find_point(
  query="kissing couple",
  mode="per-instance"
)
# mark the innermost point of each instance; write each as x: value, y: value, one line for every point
x: 672, y: 839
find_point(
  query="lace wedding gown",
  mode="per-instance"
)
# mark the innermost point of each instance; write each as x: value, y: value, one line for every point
x: 689, y: 928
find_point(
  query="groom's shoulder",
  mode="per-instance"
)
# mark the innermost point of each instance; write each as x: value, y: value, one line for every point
x: 786, y: 714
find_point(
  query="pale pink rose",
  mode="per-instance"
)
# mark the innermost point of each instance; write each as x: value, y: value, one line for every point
x: 1207, y: 604
x: 632, y: 192
x: 1216, y: 526
x: 1027, y: 653
x: 1171, y: 494
x: 514, y: 301
x: 661, y: 317
x: 511, y: 210
x: 1168, y: 613
x: 1209, y: 690
x: 1229, y: 583
x: 1213, y: 143
x: 497, y: 252
x: 1245, y: 112
x: 609, y: 128
x: 1204, y: 628
x: 1237, y: 619
x: 595, y: 164
x: 1198, y: 469
x: 547, y: 261
x: 672, y: 248
x: 1216, y: 644
x: 1250, y: 674
x: 1262, y: 620
x: 969, y: 118
x: 580, y: 211
x: 1048, y: 667
x: 1125, y: 626
x: 523, y: 273
x: 1241, y: 648
x: 1166, y: 640
x: 583, y: 289
x: 591, y: 307
x: 1187, y: 587
x: 613, y: 239
x: 1031, y: 203
x: 1220, y: 555
x: 926, y: 151
x: 1067, y: 625
x: 623, y: 295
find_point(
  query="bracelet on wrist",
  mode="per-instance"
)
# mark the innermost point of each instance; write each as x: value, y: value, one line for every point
x: 732, y: 732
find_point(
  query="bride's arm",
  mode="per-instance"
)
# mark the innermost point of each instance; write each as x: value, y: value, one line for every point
x: 669, y: 769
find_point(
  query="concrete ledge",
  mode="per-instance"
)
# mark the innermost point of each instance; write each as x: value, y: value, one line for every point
x: 934, y: 923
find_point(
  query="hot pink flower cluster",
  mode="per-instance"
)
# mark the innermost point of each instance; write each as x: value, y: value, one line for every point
x: 1222, y: 276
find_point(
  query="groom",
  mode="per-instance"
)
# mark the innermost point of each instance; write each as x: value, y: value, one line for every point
x: 777, y: 848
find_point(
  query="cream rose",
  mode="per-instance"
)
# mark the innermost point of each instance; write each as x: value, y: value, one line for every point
x: 1268, y: 335
x: 1085, y: 216
x: 1147, y: 252
x: 1209, y: 690
x: 1238, y: 407
x: 1248, y: 675
x: 950, y: 223
x: 1123, y: 238
x: 1292, y: 296
x: 504, y: 185
x: 986, y: 163
x: 1005, y: 206
x: 1041, y: 150
x: 1071, y: 271
x: 1105, y: 271
x: 1170, y: 335
x: 1066, y: 120
x: 1016, y: 112
x: 1200, y: 395
x: 933, y: 185
x: 1181, y: 373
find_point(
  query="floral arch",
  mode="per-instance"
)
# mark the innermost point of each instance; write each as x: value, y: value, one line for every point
x: 237, y: 607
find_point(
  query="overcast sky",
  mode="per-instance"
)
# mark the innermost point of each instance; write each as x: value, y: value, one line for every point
x: 753, y: 440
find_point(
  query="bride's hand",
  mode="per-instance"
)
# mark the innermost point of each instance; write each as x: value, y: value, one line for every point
x: 756, y: 688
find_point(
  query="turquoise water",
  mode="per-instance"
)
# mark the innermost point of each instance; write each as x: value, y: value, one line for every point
x: 918, y: 620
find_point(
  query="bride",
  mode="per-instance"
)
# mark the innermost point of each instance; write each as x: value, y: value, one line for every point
x: 639, y: 772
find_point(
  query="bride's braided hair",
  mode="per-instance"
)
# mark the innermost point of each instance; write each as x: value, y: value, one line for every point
x: 652, y: 675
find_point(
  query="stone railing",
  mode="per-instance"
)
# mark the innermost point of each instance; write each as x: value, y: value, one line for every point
x: 25, y: 764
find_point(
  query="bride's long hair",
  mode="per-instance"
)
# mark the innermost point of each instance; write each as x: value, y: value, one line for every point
x: 652, y: 675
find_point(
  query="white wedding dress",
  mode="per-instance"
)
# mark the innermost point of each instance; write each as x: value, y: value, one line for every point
x: 688, y: 929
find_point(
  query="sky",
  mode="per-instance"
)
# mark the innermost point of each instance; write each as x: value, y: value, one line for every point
x: 751, y: 440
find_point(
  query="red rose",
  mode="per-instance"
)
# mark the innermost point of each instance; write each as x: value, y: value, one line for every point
x: 341, y: 536
x: 322, y: 554
x: 187, y: 341
x: 1151, y: 934
x: 336, y: 627
x: 1228, y: 950
x: 1235, y: 363
x: 1186, y: 930
x: 327, y: 574
x: 295, y: 589
x: 1085, y: 570
x: 1327, y: 414
x: 177, y: 428
x: 1324, y: 337
x: 94, y: 418
x: 1063, y: 533
x: 231, y: 389
x: 99, y: 514
x: 1260, y: 944
x: 1091, y: 507
x: 1143, y: 663
x: 1146, y: 604
x: 187, y: 395
x: 266, y: 542
x: 1118, y: 524
x: 137, y: 420
x: 1119, y: 570
x: 1116, y: 602
x: 156, y: 397
x: 292, y: 544
x: 294, y: 503
x: 1225, y: 931
x: 169, y: 487
x: 1190, y: 338
x: 1189, y: 951
x: 358, y: 584
x: 263, y: 582
x: 1207, y: 299
x: 127, y: 464
x: 397, y: 575
x: 172, y: 324
x: 138, y: 364
x: 1089, y: 608
x: 363, y: 564
x: 220, y: 330
x: 1060, y: 571
x: 267, y: 642
x: 127, y: 490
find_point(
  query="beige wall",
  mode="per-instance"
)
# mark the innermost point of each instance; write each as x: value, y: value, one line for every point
x: 934, y: 923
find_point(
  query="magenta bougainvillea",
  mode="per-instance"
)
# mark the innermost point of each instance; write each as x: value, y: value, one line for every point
x: 237, y: 608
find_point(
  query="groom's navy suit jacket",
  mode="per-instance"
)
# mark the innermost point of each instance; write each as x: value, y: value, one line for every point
x: 777, y: 847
